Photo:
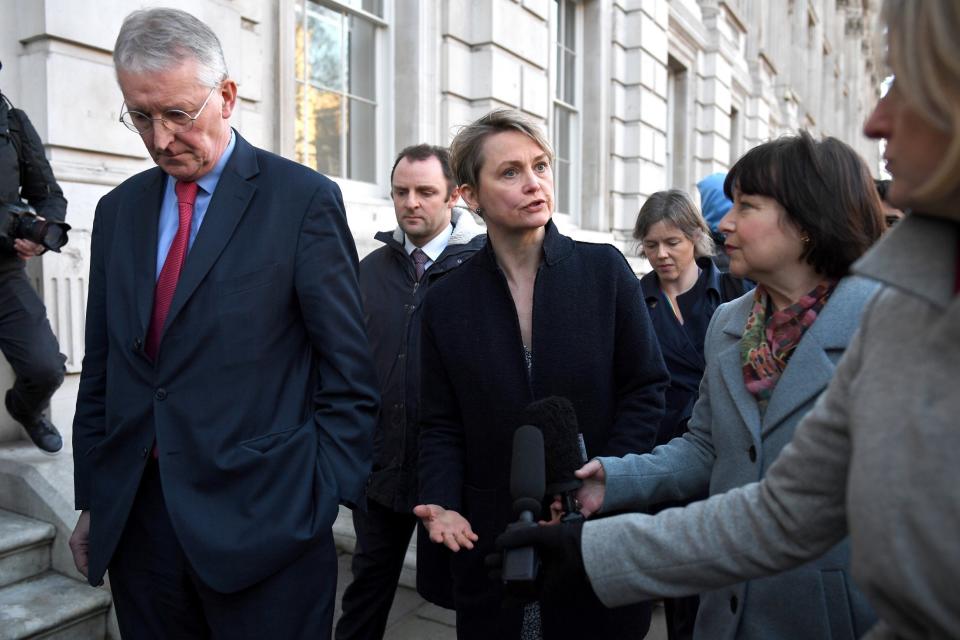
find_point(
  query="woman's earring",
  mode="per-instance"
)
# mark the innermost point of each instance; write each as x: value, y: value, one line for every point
x: 478, y: 211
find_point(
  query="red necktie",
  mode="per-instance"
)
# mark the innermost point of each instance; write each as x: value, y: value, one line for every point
x: 170, y: 273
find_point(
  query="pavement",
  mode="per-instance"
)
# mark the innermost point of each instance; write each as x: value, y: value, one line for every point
x: 411, y: 617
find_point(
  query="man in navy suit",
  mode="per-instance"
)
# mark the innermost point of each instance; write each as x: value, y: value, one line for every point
x: 228, y: 398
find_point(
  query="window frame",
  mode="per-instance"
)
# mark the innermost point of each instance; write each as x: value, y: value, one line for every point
x: 575, y: 111
x: 352, y: 189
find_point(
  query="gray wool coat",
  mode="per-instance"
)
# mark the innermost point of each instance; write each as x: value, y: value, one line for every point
x: 876, y: 458
x: 729, y: 445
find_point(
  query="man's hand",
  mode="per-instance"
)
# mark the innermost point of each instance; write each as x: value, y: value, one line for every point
x: 590, y: 495
x: 446, y: 526
x: 79, y: 540
x: 27, y: 249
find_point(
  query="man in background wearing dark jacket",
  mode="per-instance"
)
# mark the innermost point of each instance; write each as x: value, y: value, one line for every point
x: 432, y: 238
x: 25, y: 335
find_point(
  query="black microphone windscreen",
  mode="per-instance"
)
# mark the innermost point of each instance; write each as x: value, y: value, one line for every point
x: 562, y: 444
x: 527, y: 484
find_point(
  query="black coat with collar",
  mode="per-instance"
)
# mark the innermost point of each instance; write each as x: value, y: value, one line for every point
x: 592, y: 343
x: 262, y: 399
x: 392, y: 304
x: 682, y: 345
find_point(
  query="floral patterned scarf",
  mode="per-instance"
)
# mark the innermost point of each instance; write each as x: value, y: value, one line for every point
x: 769, y: 339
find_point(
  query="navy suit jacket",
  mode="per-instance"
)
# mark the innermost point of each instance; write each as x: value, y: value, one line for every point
x: 263, y: 398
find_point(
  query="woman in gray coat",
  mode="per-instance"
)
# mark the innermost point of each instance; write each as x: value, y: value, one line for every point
x: 803, y: 211
x: 876, y: 458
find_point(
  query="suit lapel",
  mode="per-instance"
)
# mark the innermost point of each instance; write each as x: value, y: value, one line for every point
x: 227, y: 206
x: 145, y: 219
x: 731, y: 369
x: 807, y: 374
x: 810, y: 368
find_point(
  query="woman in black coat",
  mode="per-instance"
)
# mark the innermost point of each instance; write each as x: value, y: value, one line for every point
x: 682, y: 291
x: 534, y: 314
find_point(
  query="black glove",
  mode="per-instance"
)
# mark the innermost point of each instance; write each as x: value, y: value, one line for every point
x: 559, y: 547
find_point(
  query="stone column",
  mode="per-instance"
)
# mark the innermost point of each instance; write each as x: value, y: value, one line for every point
x: 639, y: 108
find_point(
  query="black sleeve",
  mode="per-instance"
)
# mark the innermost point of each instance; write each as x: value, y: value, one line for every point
x: 641, y: 375
x: 89, y: 420
x: 38, y: 186
x: 347, y: 398
x: 441, y: 445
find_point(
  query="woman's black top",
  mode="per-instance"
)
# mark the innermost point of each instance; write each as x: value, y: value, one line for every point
x: 682, y: 344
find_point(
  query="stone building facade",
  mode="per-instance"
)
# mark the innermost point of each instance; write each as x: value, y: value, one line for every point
x: 637, y: 95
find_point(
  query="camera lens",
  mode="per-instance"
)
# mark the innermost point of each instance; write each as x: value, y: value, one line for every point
x: 54, y: 237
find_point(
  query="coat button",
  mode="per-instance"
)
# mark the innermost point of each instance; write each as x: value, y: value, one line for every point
x: 752, y: 452
x: 144, y: 452
x: 733, y: 604
x: 161, y: 394
x: 137, y: 344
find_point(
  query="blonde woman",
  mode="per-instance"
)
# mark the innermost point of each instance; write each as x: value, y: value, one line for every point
x: 532, y: 315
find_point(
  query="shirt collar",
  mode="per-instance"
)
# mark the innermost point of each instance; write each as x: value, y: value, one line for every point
x: 435, y: 247
x: 208, y: 182
x: 709, y: 278
x: 917, y: 256
x: 709, y: 274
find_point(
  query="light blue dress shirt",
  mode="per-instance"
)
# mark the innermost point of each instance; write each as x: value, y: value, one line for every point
x: 170, y: 215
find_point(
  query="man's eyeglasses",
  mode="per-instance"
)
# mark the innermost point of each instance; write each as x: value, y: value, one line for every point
x: 173, y: 120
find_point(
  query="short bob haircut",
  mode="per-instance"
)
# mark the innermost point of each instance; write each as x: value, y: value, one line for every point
x: 466, y: 150
x: 922, y: 53
x: 826, y: 190
x: 676, y: 208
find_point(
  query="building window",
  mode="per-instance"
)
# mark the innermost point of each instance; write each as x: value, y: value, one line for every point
x: 676, y: 133
x: 336, y: 87
x: 566, y: 104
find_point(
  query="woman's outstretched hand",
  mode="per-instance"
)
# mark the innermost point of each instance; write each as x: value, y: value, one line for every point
x: 446, y: 526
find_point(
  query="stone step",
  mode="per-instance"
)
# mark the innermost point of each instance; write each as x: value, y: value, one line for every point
x: 53, y: 606
x: 24, y: 547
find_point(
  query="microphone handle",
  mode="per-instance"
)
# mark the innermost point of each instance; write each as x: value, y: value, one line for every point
x: 570, y: 502
x: 521, y: 565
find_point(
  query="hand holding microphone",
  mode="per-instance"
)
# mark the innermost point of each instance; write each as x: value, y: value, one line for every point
x: 526, y: 547
x: 558, y: 547
x: 564, y: 451
x: 590, y: 495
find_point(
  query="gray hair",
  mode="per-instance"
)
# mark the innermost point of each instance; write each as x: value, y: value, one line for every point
x: 466, y: 150
x: 154, y: 40
x: 675, y: 207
